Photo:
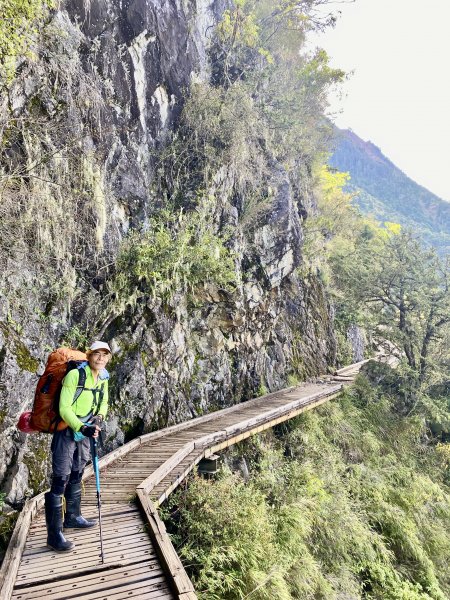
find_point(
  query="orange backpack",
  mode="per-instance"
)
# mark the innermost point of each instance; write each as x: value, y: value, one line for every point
x: 45, y: 414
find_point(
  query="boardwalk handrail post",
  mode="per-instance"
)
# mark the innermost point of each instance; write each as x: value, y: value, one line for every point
x: 97, y: 484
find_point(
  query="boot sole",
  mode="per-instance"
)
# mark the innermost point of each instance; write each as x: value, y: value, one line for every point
x: 62, y: 551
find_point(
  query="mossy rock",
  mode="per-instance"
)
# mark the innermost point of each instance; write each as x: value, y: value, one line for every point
x: 24, y: 359
x: 36, y: 459
x: 21, y: 353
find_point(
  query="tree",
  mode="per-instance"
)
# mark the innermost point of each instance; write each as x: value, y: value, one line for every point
x: 403, y: 286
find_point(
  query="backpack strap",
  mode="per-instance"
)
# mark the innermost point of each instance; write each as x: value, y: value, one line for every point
x: 98, y: 397
x: 97, y: 393
x: 81, y: 382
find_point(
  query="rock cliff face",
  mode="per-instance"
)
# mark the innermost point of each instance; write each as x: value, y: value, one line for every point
x: 94, y: 111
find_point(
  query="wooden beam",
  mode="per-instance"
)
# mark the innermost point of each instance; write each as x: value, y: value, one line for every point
x: 112, y: 457
x: 158, y: 475
x: 13, y: 555
x: 356, y: 366
x: 170, y: 560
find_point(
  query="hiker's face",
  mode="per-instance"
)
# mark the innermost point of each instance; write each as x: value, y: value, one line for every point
x: 98, y: 359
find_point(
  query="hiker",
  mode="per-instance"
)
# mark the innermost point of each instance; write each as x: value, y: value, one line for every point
x: 71, y: 447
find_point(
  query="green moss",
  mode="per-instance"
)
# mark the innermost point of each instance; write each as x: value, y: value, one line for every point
x: 132, y: 429
x: 298, y: 362
x: 145, y: 359
x: 24, y: 359
x: 36, y: 460
x: 93, y: 178
x: 292, y: 380
x: 7, y: 524
x: 75, y: 338
x: 262, y: 390
x: 344, y: 349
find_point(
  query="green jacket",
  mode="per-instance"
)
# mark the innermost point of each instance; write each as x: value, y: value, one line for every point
x: 85, y: 402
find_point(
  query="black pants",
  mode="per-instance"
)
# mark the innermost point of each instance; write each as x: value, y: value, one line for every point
x: 67, y: 455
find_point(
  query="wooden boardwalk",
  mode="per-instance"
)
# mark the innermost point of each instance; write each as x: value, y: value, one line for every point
x: 140, y: 561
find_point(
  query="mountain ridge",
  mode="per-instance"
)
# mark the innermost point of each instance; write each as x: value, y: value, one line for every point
x: 387, y: 193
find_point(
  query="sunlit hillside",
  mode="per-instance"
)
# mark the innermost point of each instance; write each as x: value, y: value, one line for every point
x: 385, y: 192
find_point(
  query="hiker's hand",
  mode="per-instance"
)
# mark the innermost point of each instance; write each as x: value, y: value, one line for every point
x: 97, y: 420
x: 90, y: 431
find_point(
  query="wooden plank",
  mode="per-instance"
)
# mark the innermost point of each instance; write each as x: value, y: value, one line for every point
x: 268, y: 425
x: 160, y: 495
x: 104, y: 461
x: 212, y: 416
x: 357, y: 365
x: 178, y: 474
x: 153, y: 588
x: 109, y: 519
x: 72, y: 587
x: 86, y: 565
x: 112, y: 512
x: 83, y: 553
x: 255, y: 421
x: 109, y: 525
x: 167, y: 595
x: 169, y: 558
x: 110, y: 539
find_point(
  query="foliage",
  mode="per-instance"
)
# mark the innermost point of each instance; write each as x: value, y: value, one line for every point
x: 381, y: 279
x: 7, y: 523
x: 52, y: 192
x: 260, y: 47
x: 76, y: 337
x: 403, y: 287
x: 219, y: 136
x: 333, y: 220
x: 345, y: 500
x: 178, y: 254
x: 237, y: 128
x: 253, y: 35
x: 18, y: 29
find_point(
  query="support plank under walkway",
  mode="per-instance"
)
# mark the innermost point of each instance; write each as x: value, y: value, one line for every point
x: 140, y: 560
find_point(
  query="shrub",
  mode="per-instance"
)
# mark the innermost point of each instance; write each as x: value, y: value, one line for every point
x: 178, y: 254
x: 360, y: 510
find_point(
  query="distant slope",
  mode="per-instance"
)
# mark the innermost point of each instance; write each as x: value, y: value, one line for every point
x: 385, y: 192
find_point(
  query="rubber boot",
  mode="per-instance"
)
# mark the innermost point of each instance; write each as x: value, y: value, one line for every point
x: 53, y: 519
x: 73, y: 518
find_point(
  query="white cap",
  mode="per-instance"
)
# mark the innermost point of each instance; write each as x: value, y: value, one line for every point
x: 99, y: 346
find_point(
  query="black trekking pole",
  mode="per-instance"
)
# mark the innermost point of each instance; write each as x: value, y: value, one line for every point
x: 97, y: 483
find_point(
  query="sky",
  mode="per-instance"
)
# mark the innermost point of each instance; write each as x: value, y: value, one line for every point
x: 398, y: 95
